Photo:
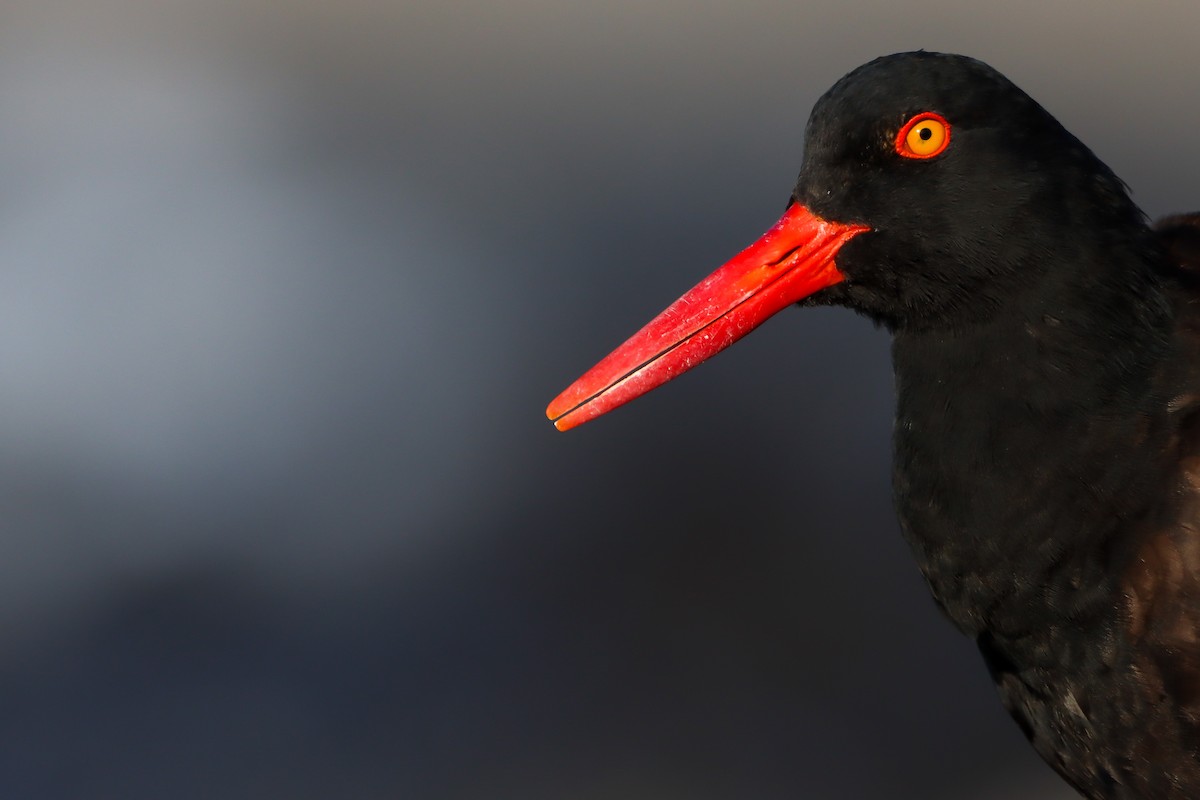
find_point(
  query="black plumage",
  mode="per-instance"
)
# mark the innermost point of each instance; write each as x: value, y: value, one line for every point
x: 1046, y: 345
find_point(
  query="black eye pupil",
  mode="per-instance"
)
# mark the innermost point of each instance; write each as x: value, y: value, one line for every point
x: 925, y: 134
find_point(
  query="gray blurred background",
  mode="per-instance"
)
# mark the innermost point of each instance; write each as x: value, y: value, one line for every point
x: 284, y: 289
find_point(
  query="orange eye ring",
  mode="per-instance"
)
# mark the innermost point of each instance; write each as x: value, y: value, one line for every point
x: 924, y: 136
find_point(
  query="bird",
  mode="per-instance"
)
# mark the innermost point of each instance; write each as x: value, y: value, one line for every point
x: 1046, y: 356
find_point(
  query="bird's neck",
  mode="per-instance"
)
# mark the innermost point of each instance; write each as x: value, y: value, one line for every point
x: 1024, y: 450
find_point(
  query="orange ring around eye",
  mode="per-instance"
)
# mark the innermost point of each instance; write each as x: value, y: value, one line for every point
x: 924, y: 136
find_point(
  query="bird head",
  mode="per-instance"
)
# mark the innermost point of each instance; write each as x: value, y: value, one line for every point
x: 933, y: 193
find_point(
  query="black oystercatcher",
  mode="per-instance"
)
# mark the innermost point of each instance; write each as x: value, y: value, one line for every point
x: 1047, y: 436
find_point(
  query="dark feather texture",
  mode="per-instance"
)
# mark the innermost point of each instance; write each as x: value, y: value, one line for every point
x: 1047, y: 439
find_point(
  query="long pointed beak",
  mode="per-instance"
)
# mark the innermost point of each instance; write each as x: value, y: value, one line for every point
x: 788, y: 263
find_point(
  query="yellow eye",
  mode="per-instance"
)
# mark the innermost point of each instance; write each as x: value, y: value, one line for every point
x: 924, y: 136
